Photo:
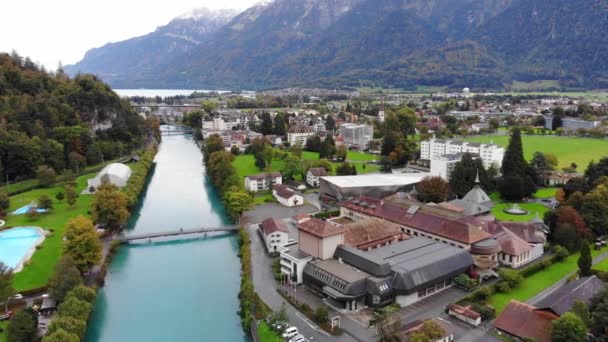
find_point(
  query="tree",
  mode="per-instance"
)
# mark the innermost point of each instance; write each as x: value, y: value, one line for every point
x: 389, y: 142
x: 567, y: 214
x: 428, y: 332
x: 387, y: 323
x: 61, y: 335
x: 235, y: 151
x: 220, y: 169
x: 433, y: 189
x: 539, y: 166
x: 599, y: 313
x: 321, y: 315
x: 5, y: 201
x: 259, y: 162
x: 345, y: 169
x: 110, y: 206
x: 214, y: 143
x: 266, y: 126
x: 71, y: 195
x: 70, y: 325
x: 594, y: 209
x: 581, y: 309
x: 296, y: 150
x: 313, y: 144
x: 465, y: 173
x: 280, y: 124
x: 23, y: 326
x: 84, y: 293
x: 328, y: 148
x: 568, y: 328
x: 6, y: 284
x: 237, y: 202
x: 60, y: 196
x: 194, y: 119
x: 46, y: 175
x: 292, y: 166
x: 511, y: 277
x: 45, y: 202
x: 584, y: 261
x: 75, y: 308
x: 516, y: 182
x: 565, y: 235
x: 596, y: 170
x: 330, y: 123
x: 66, y: 276
x: 342, y: 153
x: 268, y: 154
x: 82, y: 243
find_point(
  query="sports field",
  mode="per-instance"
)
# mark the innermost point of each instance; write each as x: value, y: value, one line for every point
x: 566, y: 149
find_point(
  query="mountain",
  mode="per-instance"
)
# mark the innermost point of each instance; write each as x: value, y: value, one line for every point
x: 143, y: 57
x: 391, y: 43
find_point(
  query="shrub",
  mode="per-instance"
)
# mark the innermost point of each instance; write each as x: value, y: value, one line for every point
x: 545, y: 263
x: 32, y: 214
x: 321, y: 315
x: 5, y: 202
x: 483, y: 293
x: 306, y: 309
x: 561, y: 253
x: 138, y: 177
x: 464, y: 281
x: 504, y: 287
x: 45, y: 202
x: 512, y: 277
x: 60, y: 196
x: 485, y: 311
x: 327, y: 214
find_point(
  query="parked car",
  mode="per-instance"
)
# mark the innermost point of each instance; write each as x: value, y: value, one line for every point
x: 290, y: 332
x: 18, y: 296
x: 298, y: 338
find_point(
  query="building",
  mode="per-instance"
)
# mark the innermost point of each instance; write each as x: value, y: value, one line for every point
x: 115, y: 173
x: 313, y: 176
x: 490, y: 154
x: 477, y: 127
x: 476, y: 202
x: 356, y: 136
x: 402, y: 272
x: 298, y: 134
x: 286, y: 196
x: 338, y: 188
x: 561, y: 300
x: 444, y: 165
x: 263, y: 181
x: 557, y: 178
x: 525, y: 322
x: 465, y: 314
x: 372, y: 233
x: 381, y: 114
x: 572, y: 124
x: 275, y: 234
x: 293, y: 261
x: 319, y: 238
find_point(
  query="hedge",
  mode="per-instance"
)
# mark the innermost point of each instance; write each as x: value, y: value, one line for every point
x: 327, y: 214
x: 138, y: 178
x: 246, y: 294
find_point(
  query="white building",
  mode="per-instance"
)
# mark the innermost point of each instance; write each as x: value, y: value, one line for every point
x: 299, y: 134
x: 489, y: 153
x: 381, y: 114
x: 116, y: 174
x: 286, y: 196
x: 275, y: 234
x: 356, y: 135
x: 313, y: 176
x: 293, y: 261
x: 263, y: 181
x: 572, y: 124
x: 444, y: 165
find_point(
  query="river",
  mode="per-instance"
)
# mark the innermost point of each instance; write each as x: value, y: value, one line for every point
x: 173, y: 291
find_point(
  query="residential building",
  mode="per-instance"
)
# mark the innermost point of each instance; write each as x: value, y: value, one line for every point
x: 357, y: 136
x: 298, y: 134
x: 490, y: 154
x: 313, y: 176
x: 338, y: 188
x: 293, y: 261
x: 525, y: 322
x: 465, y: 314
x: 286, y: 196
x: 275, y: 234
x: 263, y: 181
x: 477, y: 127
x: 444, y: 165
x: 557, y: 178
x: 572, y: 124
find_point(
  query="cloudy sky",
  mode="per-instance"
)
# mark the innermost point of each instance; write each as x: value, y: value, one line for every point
x: 49, y: 31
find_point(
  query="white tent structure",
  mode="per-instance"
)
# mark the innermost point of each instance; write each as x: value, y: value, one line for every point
x: 118, y: 174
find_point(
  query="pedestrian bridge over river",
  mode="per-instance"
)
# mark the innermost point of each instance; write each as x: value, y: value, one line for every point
x: 181, y: 233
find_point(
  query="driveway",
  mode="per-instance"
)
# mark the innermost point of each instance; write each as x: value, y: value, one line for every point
x: 263, y: 211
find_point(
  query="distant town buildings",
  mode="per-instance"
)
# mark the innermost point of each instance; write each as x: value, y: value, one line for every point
x: 298, y: 134
x: 444, y: 154
x: 572, y: 124
x: 356, y: 136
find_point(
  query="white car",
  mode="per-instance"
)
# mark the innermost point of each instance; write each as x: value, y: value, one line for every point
x: 298, y: 338
x: 290, y: 332
x: 18, y: 296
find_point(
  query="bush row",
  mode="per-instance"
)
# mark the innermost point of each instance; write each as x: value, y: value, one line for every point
x: 70, y: 323
x: 320, y: 316
x: 137, y: 181
x: 327, y: 214
x: 247, y: 295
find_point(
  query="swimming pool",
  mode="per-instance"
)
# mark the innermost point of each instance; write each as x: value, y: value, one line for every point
x: 25, y: 209
x: 18, y: 244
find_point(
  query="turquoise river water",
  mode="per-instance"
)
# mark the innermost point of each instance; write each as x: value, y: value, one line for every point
x: 173, y: 291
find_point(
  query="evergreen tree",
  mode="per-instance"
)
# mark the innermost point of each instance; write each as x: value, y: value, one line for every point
x: 330, y: 123
x: 462, y: 179
x: 585, y: 261
x: 516, y: 182
x: 266, y: 127
x: 280, y: 124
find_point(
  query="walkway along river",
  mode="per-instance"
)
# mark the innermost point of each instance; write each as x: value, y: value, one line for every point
x: 173, y: 291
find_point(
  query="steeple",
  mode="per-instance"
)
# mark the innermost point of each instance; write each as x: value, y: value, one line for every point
x: 477, y: 177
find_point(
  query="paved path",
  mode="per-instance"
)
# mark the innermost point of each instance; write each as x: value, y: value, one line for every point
x: 540, y: 296
x: 265, y: 286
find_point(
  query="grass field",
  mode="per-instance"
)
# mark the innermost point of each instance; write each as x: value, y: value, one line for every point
x: 266, y: 334
x: 602, y: 266
x: 534, y: 284
x: 532, y: 208
x: 566, y: 149
x: 264, y: 197
x: 245, y: 163
x: 546, y: 192
x: 40, y: 267
x: 3, y: 326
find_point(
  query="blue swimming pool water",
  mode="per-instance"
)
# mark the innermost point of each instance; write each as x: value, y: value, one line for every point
x: 15, y: 243
x: 25, y: 209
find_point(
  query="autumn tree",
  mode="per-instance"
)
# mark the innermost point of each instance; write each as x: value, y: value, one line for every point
x: 46, y: 175
x: 567, y: 214
x: 433, y: 189
x: 214, y: 143
x: 82, y: 243
x: 110, y: 206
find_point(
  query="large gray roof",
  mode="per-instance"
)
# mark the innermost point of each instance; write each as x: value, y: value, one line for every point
x: 562, y: 299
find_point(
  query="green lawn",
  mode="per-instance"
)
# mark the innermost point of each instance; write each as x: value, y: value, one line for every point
x: 546, y: 192
x: 266, y: 334
x: 361, y: 156
x: 264, y: 197
x: 537, y: 282
x: 532, y: 208
x: 566, y: 149
x: 245, y: 163
x: 602, y: 266
x: 3, y: 326
x: 40, y: 267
